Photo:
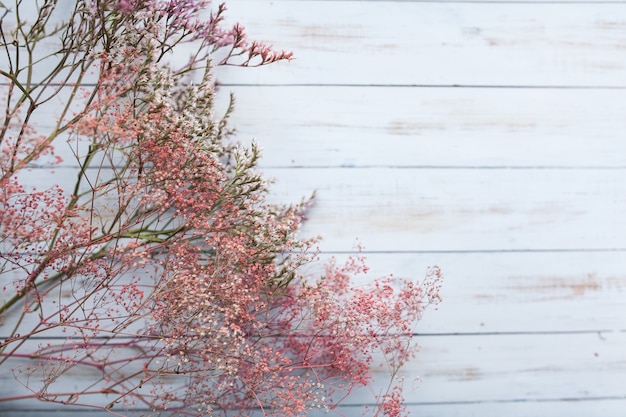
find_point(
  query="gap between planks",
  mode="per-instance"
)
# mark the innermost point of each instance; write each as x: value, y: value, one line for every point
x: 383, y: 85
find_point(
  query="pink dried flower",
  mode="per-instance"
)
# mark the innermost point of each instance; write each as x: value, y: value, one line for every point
x: 127, y: 6
x: 164, y: 270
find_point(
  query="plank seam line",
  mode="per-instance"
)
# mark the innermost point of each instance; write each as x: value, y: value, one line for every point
x: 400, y: 167
x: 468, y: 86
x: 387, y: 85
x: 453, y: 167
x: 366, y: 252
x: 471, y: 251
x: 492, y: 1
x: 504, y: 401
x: 407, y: 403
x: 486, y: 1
x: 599, y: 332
x: 360, y: 405
x: 499, y: 2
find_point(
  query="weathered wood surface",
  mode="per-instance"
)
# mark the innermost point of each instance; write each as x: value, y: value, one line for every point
x: 348, y: 126
x: 447, y: 210
x: 438, y: 43
x: 494, y: 370
x: 485, y: 137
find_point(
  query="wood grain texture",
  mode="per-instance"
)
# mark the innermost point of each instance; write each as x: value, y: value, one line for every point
x: 449, y: 210
x: 496, y: 293
x: 365, y: 127
x: 485, y: 137
x: 424, y: 127
x: 516, y: 293
x: 496, y: 369
x: 415, y: 43
x: 459, y: 210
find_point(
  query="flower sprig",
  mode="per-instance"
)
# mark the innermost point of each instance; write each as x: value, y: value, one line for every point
x: 163, y: 268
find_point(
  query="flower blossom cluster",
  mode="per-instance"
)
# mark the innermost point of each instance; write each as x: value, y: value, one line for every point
x: 163, y: 273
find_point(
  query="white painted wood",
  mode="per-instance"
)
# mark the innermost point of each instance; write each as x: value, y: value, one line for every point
x: 519, y: 292
x: 506, y: 369
x: 447, y: 209
x: 447, y: 127
x: 531, y: 292
x: 462, y: 209
x: 539, y: 367
x: 416, y: 127
x: 518, y: 193
x: 557, y: 408
x: 433, y: 43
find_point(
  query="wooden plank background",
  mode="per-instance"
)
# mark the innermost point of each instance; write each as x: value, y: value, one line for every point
x: 486, y: 137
